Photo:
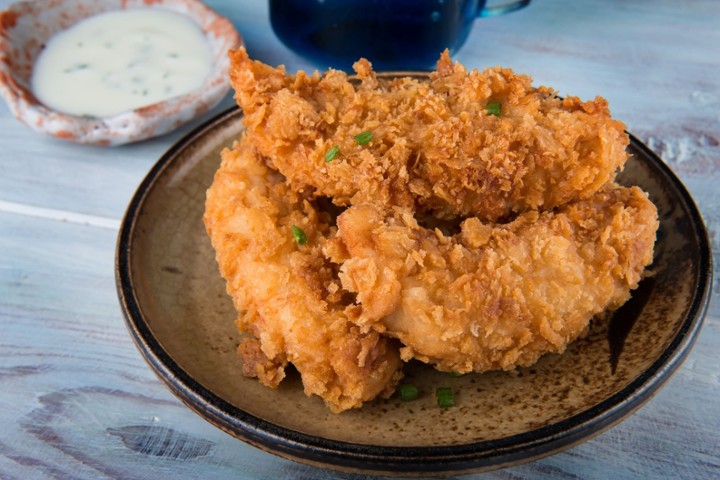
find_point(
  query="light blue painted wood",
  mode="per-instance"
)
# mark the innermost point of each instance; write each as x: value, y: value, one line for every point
x: 77, y: 400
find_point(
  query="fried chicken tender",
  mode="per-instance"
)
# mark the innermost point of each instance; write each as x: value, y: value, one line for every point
x: 494, y: 296
x: 287, y: 295
x: 545, y: 239
x: 434, y: 146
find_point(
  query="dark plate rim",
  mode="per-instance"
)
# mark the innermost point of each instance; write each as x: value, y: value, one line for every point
x: 398, y: 460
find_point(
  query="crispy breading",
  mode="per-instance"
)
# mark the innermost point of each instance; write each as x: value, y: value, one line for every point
x: 287, y: 295
x: 460, y: 238
x: 494, y: 296
x: 434, y: 145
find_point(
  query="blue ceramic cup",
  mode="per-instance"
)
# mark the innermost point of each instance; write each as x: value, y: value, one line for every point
x: 392, y: 34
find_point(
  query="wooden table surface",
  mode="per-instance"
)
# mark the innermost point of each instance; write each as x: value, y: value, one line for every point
x: 77, y: 401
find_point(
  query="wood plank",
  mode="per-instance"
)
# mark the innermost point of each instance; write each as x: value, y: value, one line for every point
x: 77, y: 400
x: 70, y: 372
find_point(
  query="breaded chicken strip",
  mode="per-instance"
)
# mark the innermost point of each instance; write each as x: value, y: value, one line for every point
x: 494, y: 296
x: 438, y: 144
x: 286, y: 293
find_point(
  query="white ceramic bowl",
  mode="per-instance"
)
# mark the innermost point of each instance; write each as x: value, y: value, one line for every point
x: 25, y: 27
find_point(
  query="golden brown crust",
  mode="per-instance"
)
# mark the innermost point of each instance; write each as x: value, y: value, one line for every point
x: 284, y: 291
x: 470, y: 241
x: 434, y: 146
x: 496, y: 296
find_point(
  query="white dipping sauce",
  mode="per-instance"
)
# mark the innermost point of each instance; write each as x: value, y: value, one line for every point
x: 121, y: 60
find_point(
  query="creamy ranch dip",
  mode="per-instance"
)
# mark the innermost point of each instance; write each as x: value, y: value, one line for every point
x: 121, y: 60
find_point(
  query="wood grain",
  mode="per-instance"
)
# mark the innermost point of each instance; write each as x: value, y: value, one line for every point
x: 78, y: 402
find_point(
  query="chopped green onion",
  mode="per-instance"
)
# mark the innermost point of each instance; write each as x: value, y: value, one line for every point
x: 444, y: 396
x: 332, y: 153
x: 364, y: 137
x: 456, y: 374
x: 300, y: 237
x: 493, y: 108
x: 408, y: 392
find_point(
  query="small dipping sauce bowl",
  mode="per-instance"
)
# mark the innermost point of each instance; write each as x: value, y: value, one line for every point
x: 25, y: 28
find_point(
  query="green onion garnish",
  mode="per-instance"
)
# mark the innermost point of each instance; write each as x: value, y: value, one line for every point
x: 456, y: 374
x: 364, y: 137
x: 332, y: 153
x: 444, y: 396
x: 408, y: 392
x: 299, y: 235
x: 493, y: 108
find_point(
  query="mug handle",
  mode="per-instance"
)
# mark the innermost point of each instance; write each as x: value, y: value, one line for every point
x: 491, y: 11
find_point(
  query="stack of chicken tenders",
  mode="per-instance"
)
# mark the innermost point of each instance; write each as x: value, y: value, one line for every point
x: 464, y: 219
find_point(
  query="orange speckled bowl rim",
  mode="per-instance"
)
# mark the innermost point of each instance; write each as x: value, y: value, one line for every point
x: 134, y: 125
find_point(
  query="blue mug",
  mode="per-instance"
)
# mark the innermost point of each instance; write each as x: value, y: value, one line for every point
x: 392, y: 34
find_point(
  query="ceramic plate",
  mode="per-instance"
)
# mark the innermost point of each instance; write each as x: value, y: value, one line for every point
x: 182, y: 321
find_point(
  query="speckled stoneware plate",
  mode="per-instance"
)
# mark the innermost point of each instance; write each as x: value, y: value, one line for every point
x: 182, y: 320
